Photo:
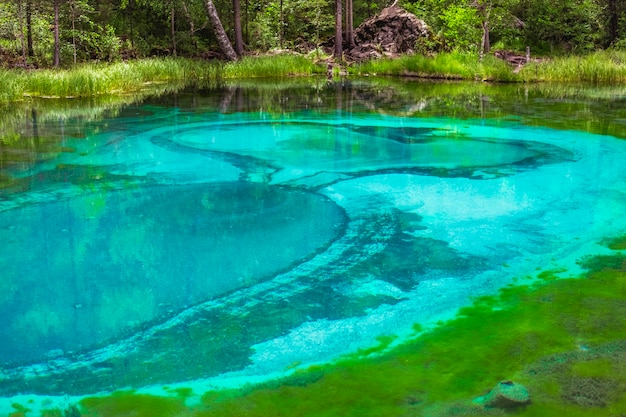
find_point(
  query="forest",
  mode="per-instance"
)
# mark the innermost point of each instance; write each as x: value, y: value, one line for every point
x: 62, y: 33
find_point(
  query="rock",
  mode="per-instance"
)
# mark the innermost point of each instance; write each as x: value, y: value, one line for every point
x: 392, y: 32
x: 507, y: 394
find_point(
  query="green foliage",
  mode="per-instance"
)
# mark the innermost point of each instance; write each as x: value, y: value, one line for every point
x: 108, y: 31
x: 304, y: 22
x: 459, y: 26
x: 553, y: 26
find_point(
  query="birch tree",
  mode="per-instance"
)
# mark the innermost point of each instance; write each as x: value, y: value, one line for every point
x: 219, y: 32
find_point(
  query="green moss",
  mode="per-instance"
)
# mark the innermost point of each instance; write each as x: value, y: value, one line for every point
x: 383, y: 344
x: 617, y: 243
x: 52, y: 413
x: 593, y: 368
x: 182, y: 393
x: 20, y: 410
x: 599, y: 263
x: 128, y: 403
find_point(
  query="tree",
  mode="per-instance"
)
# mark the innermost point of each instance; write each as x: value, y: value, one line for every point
x: 77, y: 12
x: 173, y: 27
x: 614, y: 14
x: 192, y: 26
x: 349, y: 24
x: 569, y: 25
x: 29, y: 29
x: 57, y: 39
x: 237, y: 24
x: 218, y: 30
x: 20, y: 29
x: 338, y: 31
x: 484, y: 11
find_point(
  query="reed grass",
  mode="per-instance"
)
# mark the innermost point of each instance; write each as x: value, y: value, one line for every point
x: 11, y: 86
x: 127, y: 77
x: 450, y: 66
x: 90, y: 80
x: 272, y: 66
x: 600, y: 67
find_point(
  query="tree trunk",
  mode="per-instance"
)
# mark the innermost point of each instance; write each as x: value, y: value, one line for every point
x: 131, y: 18
x: 29, y: 29
x: 613, y: 21
x: 247, y: 34
x: 338, y: 31
x: 281, y: 22
x: 192, y: 26
x: 485, y: 11
x: 218, y: 30
x: 73, y: 14
x: 349, y: 24
x: 57, y: 40
x: 238, y: 32
x: 486, y: 44
x: 20, y: 18
x: 173, y: 28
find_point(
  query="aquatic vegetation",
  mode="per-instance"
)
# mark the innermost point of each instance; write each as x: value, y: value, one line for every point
x: 129, y: 403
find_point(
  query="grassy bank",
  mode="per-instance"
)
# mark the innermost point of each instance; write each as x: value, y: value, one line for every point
x: 127, y: 77
x: 450, y: 66
x: 599, y: 67
x: 563, y: 339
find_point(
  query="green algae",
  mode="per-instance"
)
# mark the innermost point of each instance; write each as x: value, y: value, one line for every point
x: 564, y: 339
x: 616, y: 243
x: 53, y: 413
x: 20, y: 410
x: 129, y: 403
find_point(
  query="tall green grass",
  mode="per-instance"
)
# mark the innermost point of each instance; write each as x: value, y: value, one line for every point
x: 11, y: 87
x: 598, y: 67
x: 128, y: 77
x: 272, y: 66
x: 451, y: 66
x: 125, y: 77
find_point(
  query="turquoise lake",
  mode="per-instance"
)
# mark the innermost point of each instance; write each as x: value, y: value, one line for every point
x: 233, y: 234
